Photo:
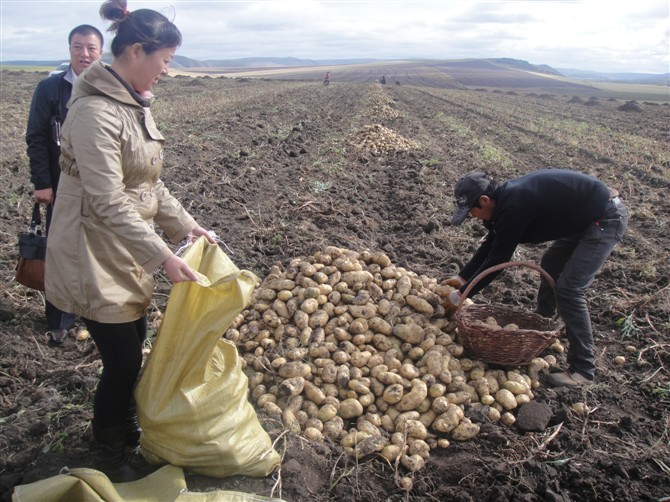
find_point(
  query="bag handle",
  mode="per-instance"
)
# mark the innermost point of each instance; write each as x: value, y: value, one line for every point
x: 36, y: 221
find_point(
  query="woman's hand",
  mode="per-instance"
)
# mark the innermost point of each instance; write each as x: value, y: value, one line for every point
x: 178, y: 271
x: 197, y: 232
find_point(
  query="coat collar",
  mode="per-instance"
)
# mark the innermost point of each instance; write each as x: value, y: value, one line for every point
x: 101, y: 80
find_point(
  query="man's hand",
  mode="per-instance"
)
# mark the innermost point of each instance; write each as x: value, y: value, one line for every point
x: 455, y: 281
x: 44, y: 196
x: 451, y: 302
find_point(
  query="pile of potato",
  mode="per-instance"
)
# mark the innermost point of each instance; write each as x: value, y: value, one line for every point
x: 378, y: 139
x: 378, y: 105
x: 491, y: 322
x: 349, y: 346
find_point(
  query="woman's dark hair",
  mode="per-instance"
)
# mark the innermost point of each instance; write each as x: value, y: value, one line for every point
x: 144, y: 26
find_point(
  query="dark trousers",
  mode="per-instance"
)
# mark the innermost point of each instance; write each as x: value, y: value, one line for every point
x: 120, y: 347
x: 56, y: 318
x: 573, y: 262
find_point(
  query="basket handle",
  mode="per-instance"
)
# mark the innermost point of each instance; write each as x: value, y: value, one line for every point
x: 501, y: 266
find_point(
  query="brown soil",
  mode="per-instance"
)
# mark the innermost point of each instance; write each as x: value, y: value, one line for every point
x: 281, y: 169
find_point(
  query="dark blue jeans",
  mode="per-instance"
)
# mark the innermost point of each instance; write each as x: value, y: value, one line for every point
x: 57, y: 319
x: 573, y: 262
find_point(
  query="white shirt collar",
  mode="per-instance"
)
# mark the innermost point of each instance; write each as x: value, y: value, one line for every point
x: 70, y: 75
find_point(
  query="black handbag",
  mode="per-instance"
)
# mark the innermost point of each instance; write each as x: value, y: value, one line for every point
x: 32, y: 253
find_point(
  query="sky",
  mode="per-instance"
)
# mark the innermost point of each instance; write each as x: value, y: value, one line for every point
x: 596, y: 35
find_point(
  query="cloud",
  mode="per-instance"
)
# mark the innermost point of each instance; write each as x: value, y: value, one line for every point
x: 595, y: 35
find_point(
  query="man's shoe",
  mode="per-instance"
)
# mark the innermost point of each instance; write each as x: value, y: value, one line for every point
x: 57, y: 336
x: 581, y: 379
x: 564, y: 379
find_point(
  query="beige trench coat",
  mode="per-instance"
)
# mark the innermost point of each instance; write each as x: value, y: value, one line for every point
x: 102, y: 246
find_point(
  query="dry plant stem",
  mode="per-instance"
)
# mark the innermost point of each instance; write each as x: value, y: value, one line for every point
x: 632, y: 449
x: 651, y: 325
x: 660, y: 348
x: 278, y: 483
x: 540, y: 447
x: 283, y: 433
x: 265, y: 364
x: 655, y: 346
x: 663, y: 466
x: 306, y: 204
x: 87, y: 365
x: 248, y: 213
x: 662, y: 441
x: 356, y: 471
x: 651, y: 376
x: 646, y: 299
x: 334, y: 482
x: 397, y: 459
x: 277, y: 486
x: 584, y: 428
x: 38, y: 347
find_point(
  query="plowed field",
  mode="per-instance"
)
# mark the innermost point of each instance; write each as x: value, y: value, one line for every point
x: 282, y: 169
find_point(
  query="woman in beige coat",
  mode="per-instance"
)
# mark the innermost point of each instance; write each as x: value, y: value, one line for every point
x: 110, y: 197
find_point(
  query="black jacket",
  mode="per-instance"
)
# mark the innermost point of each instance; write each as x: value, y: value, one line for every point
x: 48, y: 107
x: 542, y: 206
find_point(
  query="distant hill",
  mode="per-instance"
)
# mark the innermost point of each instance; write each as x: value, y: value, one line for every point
x: 439, y: 73
x: 269, y: 62
x: 184, y: 62
x: 525, y: 65
x: 630, y: 78
x: 456, y: 73
x: 273, y: 62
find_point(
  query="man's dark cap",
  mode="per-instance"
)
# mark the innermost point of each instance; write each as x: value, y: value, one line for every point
x: 467, y: 192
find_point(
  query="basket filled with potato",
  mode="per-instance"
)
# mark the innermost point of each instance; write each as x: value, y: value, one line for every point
x: 500, y: 334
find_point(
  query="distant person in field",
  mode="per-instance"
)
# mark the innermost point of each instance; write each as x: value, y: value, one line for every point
x: 383, y: 80
x: 397, y: 83
x: 48, y: 110
x: 326, y: 79
x: 580, y: 214
x: 110, y: 199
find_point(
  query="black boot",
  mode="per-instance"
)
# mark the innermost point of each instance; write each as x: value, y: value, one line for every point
x: 110, y: 455
x: 133, y: 429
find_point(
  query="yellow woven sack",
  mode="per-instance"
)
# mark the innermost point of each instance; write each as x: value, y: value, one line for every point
x: 87, y: 485
x: 192, y: 394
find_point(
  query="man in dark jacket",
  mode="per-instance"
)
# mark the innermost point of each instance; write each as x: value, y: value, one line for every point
x: 48, y: 110
x: 583, y: 218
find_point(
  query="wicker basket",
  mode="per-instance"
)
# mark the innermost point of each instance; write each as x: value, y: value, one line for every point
x: 504, y: 346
